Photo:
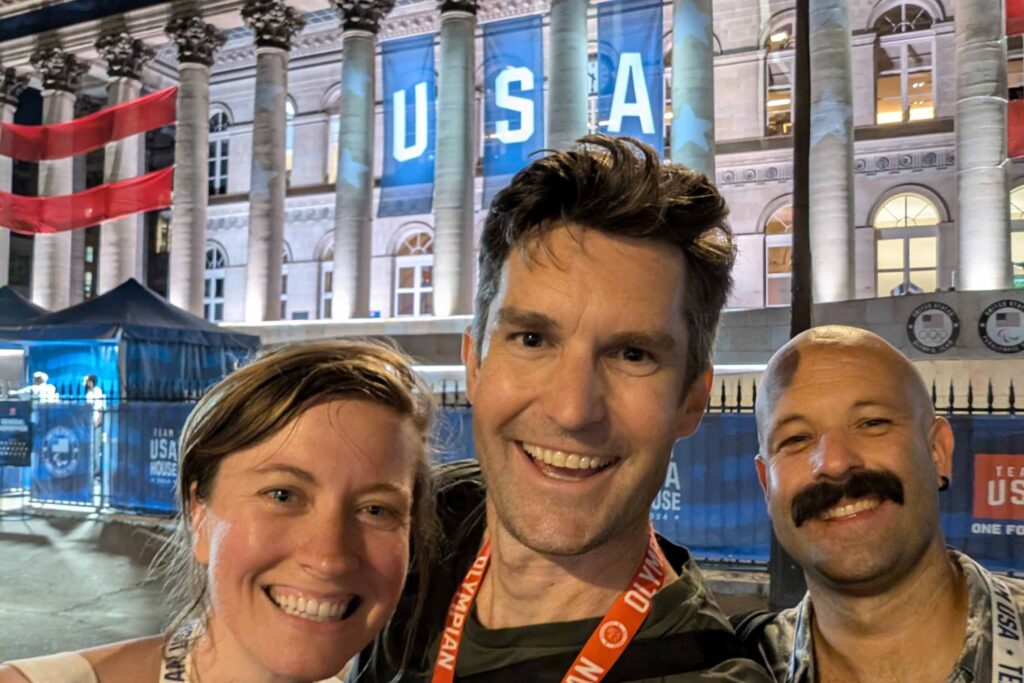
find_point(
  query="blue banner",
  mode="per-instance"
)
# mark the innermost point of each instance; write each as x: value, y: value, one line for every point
x: 145, y: 464
x: 15, y: 434
x: 514, y: 99
x: 67, y: 363
x: 407, y: 183
x: 631, y: 71
x: 62, y: 467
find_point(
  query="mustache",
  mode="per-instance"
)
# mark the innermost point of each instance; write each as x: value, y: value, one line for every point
x: 817, y: 498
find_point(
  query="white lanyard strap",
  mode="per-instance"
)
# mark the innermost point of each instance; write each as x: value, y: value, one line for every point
x: 1007, y: 647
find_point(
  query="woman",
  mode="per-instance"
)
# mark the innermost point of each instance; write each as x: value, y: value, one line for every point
x: 302, y: 477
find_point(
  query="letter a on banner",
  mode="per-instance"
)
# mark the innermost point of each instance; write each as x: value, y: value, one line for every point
x: 514, y: 105
x: 407, y: 184
x: 631, y: 70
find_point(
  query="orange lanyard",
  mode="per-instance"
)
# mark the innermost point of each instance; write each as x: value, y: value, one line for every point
x: 605, y: 645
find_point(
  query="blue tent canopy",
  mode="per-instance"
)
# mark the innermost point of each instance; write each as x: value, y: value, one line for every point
x: 16, y: 309
x: 135, y: 342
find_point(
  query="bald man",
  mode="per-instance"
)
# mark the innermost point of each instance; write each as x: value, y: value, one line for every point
x: 852, y: 459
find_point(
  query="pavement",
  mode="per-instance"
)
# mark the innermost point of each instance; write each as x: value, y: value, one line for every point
x: 74, y: 578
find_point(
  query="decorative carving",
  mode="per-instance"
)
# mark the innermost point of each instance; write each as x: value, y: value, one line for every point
x: 273, y: 22
x: 929, y: 159
x: 363, y: 15
x: 882, y: 163
x: 11, y: 86
x: 457, y: 6
x: 860, y: 165
x: 60, y: 70
x: 906, y: 161
x: 772, y: 173
x: 196, y: 40
x: 125, y: 56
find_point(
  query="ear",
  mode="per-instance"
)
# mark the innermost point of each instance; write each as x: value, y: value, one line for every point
x: 471, y: 362
x: 940, y: 445
x: 695, y: 402
x: 762, y: 475
x: 200, y: 529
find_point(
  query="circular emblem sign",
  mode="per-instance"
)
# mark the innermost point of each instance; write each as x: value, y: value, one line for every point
x: 1001, y: 326
x: 60, y: 451
x: 933, y: 327
x: 613, y: 634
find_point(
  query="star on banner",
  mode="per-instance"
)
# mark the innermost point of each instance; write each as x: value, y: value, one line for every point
x: 356, y: 82
x: 692, y: 128
x: 829, y: 117
x: 833, y: 12
x: 694, y: 22
x: 352, y: 171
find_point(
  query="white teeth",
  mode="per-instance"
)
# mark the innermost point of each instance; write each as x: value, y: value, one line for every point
x: 309, y: 608
x: 849, y: 509
x: 569, y: 461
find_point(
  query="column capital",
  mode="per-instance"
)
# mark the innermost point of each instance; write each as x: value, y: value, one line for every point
x: 363, y: 15
x: 273, y: 22
x: 469, y: 6
x: 11, y: 86
x: 60, y: 70
x: 125, y: 56
x: 196, y: 40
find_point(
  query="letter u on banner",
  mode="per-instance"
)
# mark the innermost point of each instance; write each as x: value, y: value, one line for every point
x: 407, y: 184
x: 514, y: 104
x: 631, y: 70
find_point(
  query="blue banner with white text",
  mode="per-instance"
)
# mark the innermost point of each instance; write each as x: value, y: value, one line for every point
x: 407, y: 183
x: 145, y: 465
x: 631, y: 70
x: 514, y: 99
x: 62, y: 461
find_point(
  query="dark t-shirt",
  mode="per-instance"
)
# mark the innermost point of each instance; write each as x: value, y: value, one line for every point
x: 685, y: 632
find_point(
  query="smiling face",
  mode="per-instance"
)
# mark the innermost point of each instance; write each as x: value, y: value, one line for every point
x: 851, y: 456
x: 305, y: 538
x: 578, y: 393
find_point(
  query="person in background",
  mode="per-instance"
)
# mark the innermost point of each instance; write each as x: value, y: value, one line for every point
x: 852, y: 460
x: 40, y: 390
x: 303, y: 484
x: 95, y: 398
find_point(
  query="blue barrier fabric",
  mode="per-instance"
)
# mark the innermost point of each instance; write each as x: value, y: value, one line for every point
x: 513, y: 99
x: 407, y: 183
x: 631, y: 70
x: 62, y: 466
x: 145, y: 461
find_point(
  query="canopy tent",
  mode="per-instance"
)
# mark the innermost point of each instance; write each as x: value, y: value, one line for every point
x: 137, y: 344
x: 16, y: 309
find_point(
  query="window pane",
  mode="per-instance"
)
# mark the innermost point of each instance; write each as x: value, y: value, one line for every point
x: 284, y: 283
x: 406, y: 278
x: 781, y: 222
x: 780, y: 260
x: 923, y: 253
x: 220, y: 288
x: 1017, y: 256
x: 426, y: 276
x: 922, y: 105
x: 284, y: 310
x: 887, y: 282
x: 206, y: 311
x: 919, y: 56
x: 777, y: 291
x: 890, y: 255
x: 327, y: 308
x: 924, y: 279
x: 1017, y: 204
x: 218, y: 312
x: 329, y: 281
x: 427, y: 303
x: 406, y: 301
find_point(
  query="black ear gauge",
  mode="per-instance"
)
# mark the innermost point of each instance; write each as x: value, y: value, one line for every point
x: 945, y: 483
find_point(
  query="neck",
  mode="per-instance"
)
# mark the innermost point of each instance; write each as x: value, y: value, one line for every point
x: 911, y: 631
x: 523, y: 587
x: 215, y: 657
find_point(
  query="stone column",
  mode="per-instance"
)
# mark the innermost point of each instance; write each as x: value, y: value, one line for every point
x: 121, y: 240
x: 274, y: 25
x: 11, y: 86
x: 831, y: 157
x: 353, y: 210
x: 61, y: 73
x: 197, y: 41
x: 456, y: 161
x: 983, y: 211
x: 568, y: 85
x: 693, y: 86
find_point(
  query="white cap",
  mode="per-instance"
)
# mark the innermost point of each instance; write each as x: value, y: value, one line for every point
x: 41, y: 375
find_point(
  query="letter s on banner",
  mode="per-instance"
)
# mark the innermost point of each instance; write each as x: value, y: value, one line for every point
x: 505, y: 100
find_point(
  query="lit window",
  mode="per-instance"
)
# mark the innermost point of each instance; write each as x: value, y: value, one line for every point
x: 904, y: 89
x: 332, y: 157
x: 1017, y: 236
x: 778, y: 257
x: 289, y: 139
x: 906, y: 246
x: 213, y: 284
x: 219, y: 150
x: 414, y: 275
x: 778, y: 101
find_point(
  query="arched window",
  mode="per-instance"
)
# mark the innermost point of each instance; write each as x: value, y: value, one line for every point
x: 907, y: 245
x: 219, y: 146
x: 778, y: 257
x: 904, y: 89
x: 1017, y: 235
x: 779, y: 75
x: 213, y: 286
x: 414, y: 275
x: 289, y: 139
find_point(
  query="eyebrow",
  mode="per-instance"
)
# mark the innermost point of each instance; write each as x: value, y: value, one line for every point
x: 518, y: 317
x: 296, y: 472
x: 796, y: 417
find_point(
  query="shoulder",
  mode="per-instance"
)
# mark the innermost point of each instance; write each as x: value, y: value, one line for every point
x: 8, y: 674
x: 127, y: 661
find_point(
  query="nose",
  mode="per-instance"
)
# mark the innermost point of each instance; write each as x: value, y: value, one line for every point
x: 576, y: 392
x: 329, y: 548
x: 834, y: 456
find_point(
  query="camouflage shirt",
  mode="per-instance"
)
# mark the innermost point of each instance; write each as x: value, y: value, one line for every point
x: 788, y: 649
